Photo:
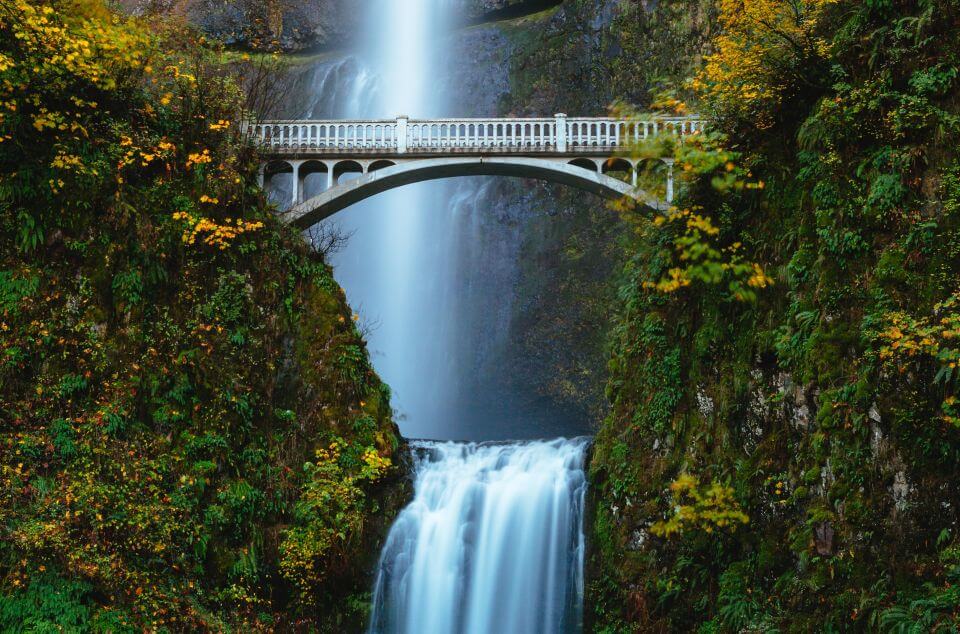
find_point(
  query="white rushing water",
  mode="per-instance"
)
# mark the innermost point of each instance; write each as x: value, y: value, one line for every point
x: 492, y: 542
x: 398, y: 269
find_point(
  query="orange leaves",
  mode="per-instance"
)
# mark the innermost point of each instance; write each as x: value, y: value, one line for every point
x: 210, y: 232
x: 199, y: 158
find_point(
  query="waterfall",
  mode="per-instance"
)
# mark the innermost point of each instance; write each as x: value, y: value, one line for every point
x: 491, y: 543
x: 397, y: 268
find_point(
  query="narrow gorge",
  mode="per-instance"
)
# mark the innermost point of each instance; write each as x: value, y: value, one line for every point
x: 622, y: 316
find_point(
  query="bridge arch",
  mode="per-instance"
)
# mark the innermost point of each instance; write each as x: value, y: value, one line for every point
x: 347, y: 166
x: 617, y: 165
x: 585, y: 163
x: 380, y: 164
x: 324, y: 205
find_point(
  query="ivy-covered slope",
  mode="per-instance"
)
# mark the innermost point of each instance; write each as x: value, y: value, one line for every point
x: 784, y: 445
x: 191, y: 435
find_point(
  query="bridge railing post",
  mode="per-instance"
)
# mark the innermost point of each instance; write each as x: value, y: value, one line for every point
x: 561, y: 131
x: 402, y: 121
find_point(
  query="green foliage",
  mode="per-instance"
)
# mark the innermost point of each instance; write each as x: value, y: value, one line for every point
x: 170, y: 354
x: 828, y: 404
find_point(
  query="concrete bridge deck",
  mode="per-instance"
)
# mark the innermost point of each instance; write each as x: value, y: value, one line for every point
x: 388, y: 153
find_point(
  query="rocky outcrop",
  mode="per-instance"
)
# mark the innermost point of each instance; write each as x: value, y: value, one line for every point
x: 297, y: 26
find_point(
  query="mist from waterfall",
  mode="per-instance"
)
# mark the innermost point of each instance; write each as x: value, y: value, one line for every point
x: 492, y: 542
x: 493, y: 539
x: 398, y: 266
x: 430, y: 268
x: 394, y: 269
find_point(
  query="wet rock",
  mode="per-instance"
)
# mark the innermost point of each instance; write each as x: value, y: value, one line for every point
x: 823, y: 538
x: 901, y: 490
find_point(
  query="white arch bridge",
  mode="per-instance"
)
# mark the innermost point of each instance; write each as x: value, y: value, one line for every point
x: 356, y: 159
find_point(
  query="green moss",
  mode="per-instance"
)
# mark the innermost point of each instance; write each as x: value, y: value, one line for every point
x: 840, y: 458
x: 167, y: 392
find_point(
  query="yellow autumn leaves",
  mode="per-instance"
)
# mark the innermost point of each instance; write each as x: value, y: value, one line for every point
x: 745, y: 78
x: 701, y: 259
x: 59, y: 51
x: 708, y: 508
x: 212, y: 233
x: 907, y: 339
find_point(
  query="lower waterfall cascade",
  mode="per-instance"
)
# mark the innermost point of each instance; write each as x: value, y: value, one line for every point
x: 492, y: 541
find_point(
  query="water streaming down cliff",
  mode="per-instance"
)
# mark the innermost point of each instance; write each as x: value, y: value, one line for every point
x: 491, y: 543
x: 433, y: 268
x: 398, y: 267
x: 493, y: 540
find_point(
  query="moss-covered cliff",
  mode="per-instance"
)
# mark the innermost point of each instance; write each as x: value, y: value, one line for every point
x: 785, y: 459
x: 191, y: 434
x: 580, y: 57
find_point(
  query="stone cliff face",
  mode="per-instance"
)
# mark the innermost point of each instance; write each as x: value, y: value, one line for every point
x: 550, y: 252
x: 295, y: 26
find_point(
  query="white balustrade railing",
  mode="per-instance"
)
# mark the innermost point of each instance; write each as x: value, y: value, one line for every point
x: 401, y: 135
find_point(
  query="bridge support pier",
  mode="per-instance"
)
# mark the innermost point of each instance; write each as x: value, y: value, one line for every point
x: 669, y: 163
x: 295, y: 184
